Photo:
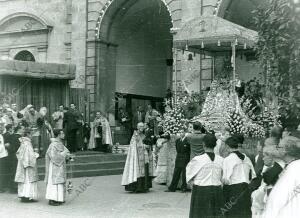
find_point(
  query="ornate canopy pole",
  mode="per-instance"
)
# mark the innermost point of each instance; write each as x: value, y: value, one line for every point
x: 233, y: 60
x: 175, y: 73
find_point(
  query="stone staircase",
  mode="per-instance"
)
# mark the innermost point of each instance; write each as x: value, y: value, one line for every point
x: 87, y: 164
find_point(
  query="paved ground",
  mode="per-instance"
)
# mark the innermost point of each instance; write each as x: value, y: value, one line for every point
x: 100, y: 197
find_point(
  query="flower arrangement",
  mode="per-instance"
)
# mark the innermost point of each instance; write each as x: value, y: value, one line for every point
x: 238, y: 123
x: 173, y: 120
x: 235, y: 122
x: 265, y: 118
x: 254, y: 130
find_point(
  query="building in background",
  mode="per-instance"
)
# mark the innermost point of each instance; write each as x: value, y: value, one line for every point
x: 123, y: 52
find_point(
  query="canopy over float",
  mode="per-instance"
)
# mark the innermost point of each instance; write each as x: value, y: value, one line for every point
x: 214, y: 34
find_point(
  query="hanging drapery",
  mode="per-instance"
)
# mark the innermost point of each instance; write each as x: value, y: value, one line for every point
x: 38, y: 92
x: 39, y: 84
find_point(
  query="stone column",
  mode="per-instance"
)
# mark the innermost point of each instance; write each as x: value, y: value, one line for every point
x: 106, y: 77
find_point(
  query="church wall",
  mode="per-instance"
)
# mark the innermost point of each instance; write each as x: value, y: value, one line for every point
x: 53, y: 12
x: 73, y: 40
x: 246, y: 70
x: 66, y: 41
x: 78, y: 31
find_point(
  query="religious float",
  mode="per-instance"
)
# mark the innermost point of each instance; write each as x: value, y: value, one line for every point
x: 225, y: 106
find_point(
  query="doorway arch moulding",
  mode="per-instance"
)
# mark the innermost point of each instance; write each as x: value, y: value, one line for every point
x: 173, y: 7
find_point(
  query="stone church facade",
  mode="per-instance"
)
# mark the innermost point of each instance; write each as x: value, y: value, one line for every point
x: 122, y: 49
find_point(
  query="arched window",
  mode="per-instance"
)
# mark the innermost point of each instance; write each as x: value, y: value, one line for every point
x: 24, y: 56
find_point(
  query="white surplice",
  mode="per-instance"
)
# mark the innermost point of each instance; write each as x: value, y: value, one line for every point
x: 237, y: 171
x: 202, y: 171
x: 28, y: 189
x: 54, y: 192
x: 284, y: 199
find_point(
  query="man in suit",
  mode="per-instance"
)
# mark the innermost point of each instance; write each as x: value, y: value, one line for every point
x: 195, y: 140
x: 182, y: 159
x: 72, y: 122
x: 138, y: 116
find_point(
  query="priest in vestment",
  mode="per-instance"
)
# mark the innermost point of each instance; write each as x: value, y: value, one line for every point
x: 26, y: 174
x: 100, y: 137
x: 56, y: 171
x: 138, y: 171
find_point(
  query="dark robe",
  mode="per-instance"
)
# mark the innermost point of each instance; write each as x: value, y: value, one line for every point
x: 182, y: 159
x: 256, y: 182
x: 46, y: 133
x: 71, y: 124
x: 12, y: 161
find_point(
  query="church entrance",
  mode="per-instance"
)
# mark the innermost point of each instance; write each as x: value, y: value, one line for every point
x: 134, y: 59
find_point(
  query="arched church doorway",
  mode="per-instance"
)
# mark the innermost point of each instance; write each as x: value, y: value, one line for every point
x: 134, y: 57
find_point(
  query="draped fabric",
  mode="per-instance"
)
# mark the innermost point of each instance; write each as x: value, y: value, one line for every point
x: 284, y: 199
x: 137, y: 158
x: 26, y: 162
x: 55, y: 192
x: 106, y: 132
x: 38, y: 92
x: 54, y: 155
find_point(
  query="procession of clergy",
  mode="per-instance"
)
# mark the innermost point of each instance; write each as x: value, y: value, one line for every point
x: 26, y: 135
x: 225, y: 182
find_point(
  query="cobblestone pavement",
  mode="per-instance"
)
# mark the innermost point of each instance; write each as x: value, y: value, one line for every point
x: 100, y: 197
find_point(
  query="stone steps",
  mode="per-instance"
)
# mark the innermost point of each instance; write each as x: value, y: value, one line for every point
x: 90, y: 164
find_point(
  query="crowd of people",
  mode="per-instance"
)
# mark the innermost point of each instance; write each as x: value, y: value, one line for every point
x: 80, y: 135
x: 225, y: 182
x: 18, y: 164
x: 26, y: 135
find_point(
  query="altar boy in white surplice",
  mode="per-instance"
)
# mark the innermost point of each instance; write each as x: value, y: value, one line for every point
x: 56, y: 173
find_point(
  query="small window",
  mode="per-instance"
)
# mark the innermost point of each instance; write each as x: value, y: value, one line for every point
x: 24, y: 56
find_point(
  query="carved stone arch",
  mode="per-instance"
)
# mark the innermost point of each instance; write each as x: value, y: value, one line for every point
x: 21, y: 31
x: 111, y: 7
x: 11, y: 19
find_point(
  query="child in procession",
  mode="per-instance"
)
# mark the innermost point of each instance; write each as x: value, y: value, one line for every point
x: 205, y: 173
x: 238, y: 171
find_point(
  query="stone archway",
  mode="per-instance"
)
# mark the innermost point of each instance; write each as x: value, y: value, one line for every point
x: 133, y: 50
x: 97, y: 11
